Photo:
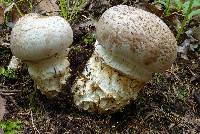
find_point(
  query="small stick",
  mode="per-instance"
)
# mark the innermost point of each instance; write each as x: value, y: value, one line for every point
x: 32, y: 121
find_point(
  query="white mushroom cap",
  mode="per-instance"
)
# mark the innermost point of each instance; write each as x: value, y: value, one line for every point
x: 42, y: 42
x: 36, y: 37
x: 135, y: 42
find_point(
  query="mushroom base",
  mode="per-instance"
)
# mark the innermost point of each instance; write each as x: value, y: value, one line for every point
x: 51, y: 74
x: 102, y: 89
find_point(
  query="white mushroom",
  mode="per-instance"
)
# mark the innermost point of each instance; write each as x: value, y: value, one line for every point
x: 42, y: 42
x: 131, y: 45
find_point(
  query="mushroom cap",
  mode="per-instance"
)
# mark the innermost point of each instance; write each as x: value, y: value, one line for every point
x: 36, y: 37
x: 135, y: 42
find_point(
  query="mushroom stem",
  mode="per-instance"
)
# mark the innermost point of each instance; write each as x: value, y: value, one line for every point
x: 50, y: 74
x: 102, y: 88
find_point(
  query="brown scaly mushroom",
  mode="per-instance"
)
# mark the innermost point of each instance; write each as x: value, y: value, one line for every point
x: 42, y: 42
x: 131, y: 45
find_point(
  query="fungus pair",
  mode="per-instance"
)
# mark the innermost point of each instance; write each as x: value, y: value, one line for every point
x: 131, y: 45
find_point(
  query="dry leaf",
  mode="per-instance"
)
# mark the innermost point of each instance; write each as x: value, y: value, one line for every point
x: 196, y: 32
x: 1, y: 14
x: 47, y: 6
x: 2, y: 108
x: 23, y: 7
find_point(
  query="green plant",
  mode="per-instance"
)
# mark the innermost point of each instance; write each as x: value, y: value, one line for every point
x: 166, y: 4
x: 188, y: 13
x: 70, y: 8
x: 89, y: 39
x: 198, y: 49
x: 189, y: 9
x: 167, y: 10
x: 11, y: 126
x: 182, y: 94
x: 159, y: 78
x: 10, y: 4
x: 7, y: 73
x: 33, y: 101
x: 6, y: 2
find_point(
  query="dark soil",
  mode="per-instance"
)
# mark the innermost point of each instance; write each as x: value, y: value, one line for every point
x: 169, y: 103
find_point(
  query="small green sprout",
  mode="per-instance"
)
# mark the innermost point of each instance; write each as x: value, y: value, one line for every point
x: 159, y: 78
x: 69, y: 9
x: 89, y: 39
x: 189, y: 8
x: 182, y: 94
x: 7, y: 73
x: 11, y: 126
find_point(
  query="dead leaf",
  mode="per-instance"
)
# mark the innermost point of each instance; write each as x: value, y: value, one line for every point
x: 154, y: 9
x: 2, y: 108
x: 194, y: 76
x: 47, y: 6
x: 1, y: 14
x: 196, y: 32
x: 9, y: 7
x: 23, y: 6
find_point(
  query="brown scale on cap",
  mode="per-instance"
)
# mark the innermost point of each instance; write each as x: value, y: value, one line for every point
x: 136, y: 37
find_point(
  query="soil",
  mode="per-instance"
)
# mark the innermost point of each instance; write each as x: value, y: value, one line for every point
x: 169, y: 103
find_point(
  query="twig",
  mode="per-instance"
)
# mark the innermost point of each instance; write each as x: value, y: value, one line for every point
x: 3, y: 87
x: 7, y: 94
x: 172, y: 71
x: 10, y: 91
x: 32, y: 121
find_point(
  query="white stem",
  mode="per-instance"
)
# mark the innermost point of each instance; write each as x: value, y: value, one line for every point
x: 51, y: 74
x: 103, y: 89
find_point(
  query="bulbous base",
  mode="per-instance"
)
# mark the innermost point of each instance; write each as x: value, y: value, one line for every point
x: 102, y: 89
x: 51, y: 74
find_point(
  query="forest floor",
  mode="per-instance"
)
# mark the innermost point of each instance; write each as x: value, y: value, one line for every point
x: 169, y: 103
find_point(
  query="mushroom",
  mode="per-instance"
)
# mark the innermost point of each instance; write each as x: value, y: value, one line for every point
x: 42, y: 43
x: 131, y: 45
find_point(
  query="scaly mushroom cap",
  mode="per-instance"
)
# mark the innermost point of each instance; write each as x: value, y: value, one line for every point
x: 36, y: 37
x: 135, y: 42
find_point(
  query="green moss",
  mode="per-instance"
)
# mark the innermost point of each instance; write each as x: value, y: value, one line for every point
x: 159, y: 78
x: 70, y: 9
x: 89, y: 39
x: 11, y: 126
x: 182, y: 93
x: 10, y: 74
